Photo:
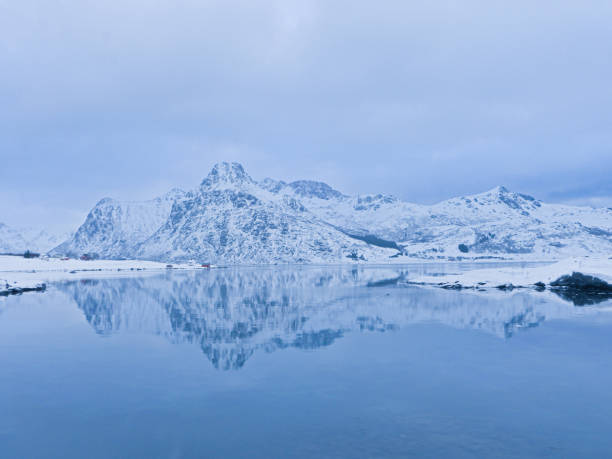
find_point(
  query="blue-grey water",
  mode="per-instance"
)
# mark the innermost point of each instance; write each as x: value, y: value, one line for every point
x: 301, y: 362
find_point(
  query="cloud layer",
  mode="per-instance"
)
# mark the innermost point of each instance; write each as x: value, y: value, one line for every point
x: 424, y: 100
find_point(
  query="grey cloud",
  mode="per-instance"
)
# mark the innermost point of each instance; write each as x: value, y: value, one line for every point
x: 424, y: 100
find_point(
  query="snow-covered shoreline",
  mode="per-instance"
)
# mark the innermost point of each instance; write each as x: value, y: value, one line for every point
x: 564, y: 273
x: 18, y: 274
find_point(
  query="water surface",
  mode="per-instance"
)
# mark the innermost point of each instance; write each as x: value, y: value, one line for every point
x: 301, y: 362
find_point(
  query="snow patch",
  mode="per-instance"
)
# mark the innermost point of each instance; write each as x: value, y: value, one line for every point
x: 574, y: 277
x: 18, y: 274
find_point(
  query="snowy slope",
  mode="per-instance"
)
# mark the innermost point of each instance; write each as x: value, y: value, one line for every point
x: 497, y: 223
x: 230, y: 218
x: 114, y: 228
x: 11, y: 241
x: 14, y: 240
x: 501, y: 222
x: 381, y: 215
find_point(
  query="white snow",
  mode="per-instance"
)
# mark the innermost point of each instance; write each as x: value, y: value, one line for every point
x: 517, y: 276
x: 497, y: 223
x: 18, y: 240
x: 18, y: 273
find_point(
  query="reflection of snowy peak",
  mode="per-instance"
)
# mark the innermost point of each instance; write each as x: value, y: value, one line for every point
x: 231, y: 218
x: 231, y: 314
x: 20, y: 240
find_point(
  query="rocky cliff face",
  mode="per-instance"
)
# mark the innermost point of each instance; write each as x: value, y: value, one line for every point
x: 231, y: 219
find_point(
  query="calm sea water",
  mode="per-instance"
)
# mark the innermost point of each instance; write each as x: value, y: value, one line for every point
x: 301, y: 362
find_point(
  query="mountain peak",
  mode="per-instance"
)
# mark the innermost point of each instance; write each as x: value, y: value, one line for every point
x: 226, y: 173
x: 104, y: 201
x: 273, y: 186
x: 500, y: 189
x: 173, y: 194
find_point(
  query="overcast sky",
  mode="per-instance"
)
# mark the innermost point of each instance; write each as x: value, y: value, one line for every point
x: 421, y: 99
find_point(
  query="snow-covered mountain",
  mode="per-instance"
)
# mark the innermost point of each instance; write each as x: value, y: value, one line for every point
x: 13, y: 240
x: 231, y: 218
x: 497, y: 223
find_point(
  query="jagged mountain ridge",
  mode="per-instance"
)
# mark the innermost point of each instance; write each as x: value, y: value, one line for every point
x: 497, y: 223
x: 231, y: 218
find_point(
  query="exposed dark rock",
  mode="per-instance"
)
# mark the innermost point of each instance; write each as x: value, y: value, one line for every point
x: 540, y: 286
x: 582, y: 282
x: 20, y: 290
x: 452, y: 286
x: 385, y: 282
x: 582, y: 297
x: 582, y: 289
x: 373, y: 240
x: 506, y: 287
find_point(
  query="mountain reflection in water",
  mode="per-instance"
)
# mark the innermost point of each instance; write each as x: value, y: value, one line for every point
x: 232, y: 313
